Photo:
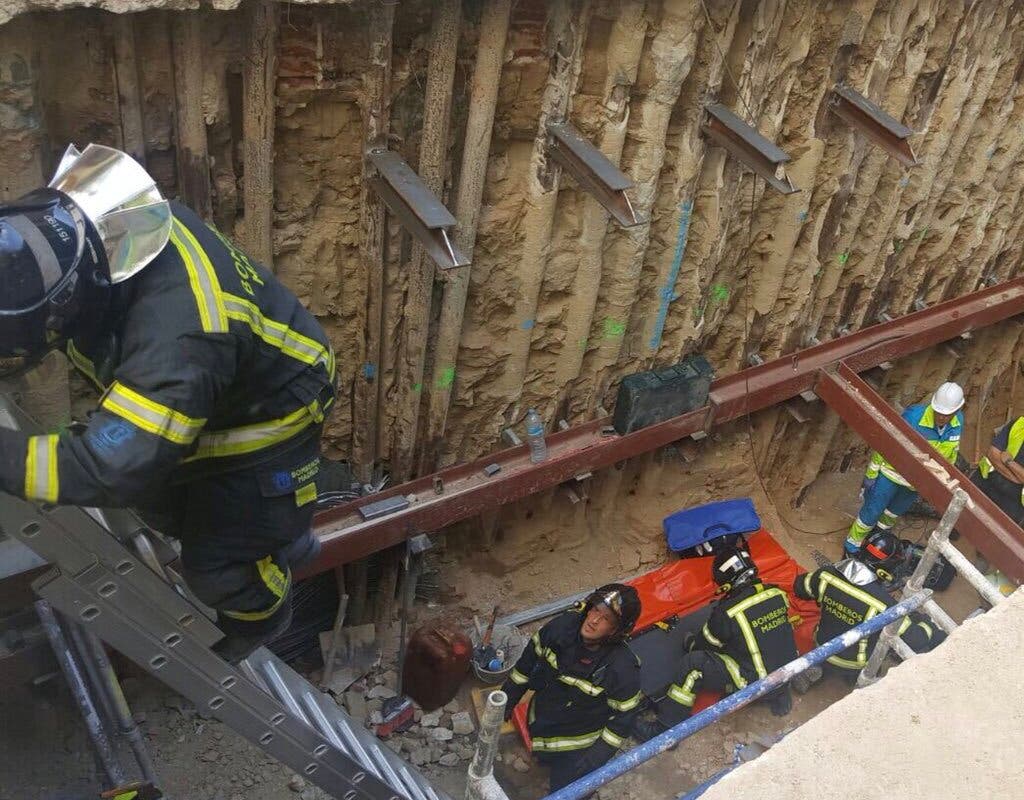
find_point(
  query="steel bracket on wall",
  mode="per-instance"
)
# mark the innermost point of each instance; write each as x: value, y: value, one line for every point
x: 417, y: 208
x: 748, y: 146
x: 595, y: 174
x: 861, y: 114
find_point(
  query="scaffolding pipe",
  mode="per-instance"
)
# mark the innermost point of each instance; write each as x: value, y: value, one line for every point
x: 939, y: 616
x: 632, y: 759
x: 76, y: 682
x: 111, y: 688
x: 481, y: 784
x: 890, y: 635
x: 971, y: 573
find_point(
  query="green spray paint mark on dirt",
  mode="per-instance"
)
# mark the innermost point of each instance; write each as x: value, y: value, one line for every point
x: 447, y: 378
x: 842, y: 258
x: 719, y: 293
x: 613, y: 328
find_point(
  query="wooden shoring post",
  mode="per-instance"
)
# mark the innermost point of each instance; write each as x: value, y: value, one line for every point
x: 567, y: 25
x: 387, y: 586
x: 625, y: 47
x: 372, y: 231
x: 190, y: 127
x: 444, y: 45
x: 129, y: 93
x: 483, y: 98
x: 259, y: 78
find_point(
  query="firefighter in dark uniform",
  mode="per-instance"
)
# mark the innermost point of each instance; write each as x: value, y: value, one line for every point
x: 586, y: 682
x: 851, y: 592
x: 747, y: 635
x: 1000, y: 473
x: 214, y: 382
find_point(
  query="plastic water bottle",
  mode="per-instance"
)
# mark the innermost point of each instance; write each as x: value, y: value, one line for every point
x: 535, y: 435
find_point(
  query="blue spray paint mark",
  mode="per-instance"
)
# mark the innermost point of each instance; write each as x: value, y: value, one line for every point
x: 528, y: 324
x: 668, y: 290
x: 369, y: 370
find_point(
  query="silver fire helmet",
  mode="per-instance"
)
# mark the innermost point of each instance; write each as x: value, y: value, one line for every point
x: 122, y: 202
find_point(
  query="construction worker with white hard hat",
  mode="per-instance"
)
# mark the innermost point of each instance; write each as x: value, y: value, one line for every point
x: 887, y: 494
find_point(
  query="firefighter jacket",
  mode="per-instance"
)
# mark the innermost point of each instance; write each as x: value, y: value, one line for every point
x: 1008, y: 439
x: 845, y: 605
x: 582, y: 697
x: 921, y: 418
x: 749, y: 629
x: 205, y: 363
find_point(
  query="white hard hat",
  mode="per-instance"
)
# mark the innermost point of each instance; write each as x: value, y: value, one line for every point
x: 948, y: 398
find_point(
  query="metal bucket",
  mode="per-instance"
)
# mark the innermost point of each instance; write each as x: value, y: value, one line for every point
x: 511, y: 641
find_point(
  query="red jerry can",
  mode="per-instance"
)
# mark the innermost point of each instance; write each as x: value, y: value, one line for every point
x: 436, y: 661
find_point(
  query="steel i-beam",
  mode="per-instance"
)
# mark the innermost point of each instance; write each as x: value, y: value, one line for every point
x: 468, y: 490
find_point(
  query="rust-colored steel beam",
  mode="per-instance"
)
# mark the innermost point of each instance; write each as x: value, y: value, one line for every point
x: 468, y: 492
x: 878, y: 424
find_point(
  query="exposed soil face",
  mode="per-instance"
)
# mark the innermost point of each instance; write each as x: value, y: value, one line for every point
x: 562, y: 304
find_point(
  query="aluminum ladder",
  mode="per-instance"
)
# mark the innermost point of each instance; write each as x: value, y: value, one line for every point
x: 99, y: 583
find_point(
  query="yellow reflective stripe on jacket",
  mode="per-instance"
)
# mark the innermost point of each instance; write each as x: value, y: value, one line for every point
x: 583, y: 685
x: 612, y: 738
x: 518, y: 677
x: 41, y: 480
x: 544, y: 652
x: 249, y: 438
x: 875, y: 607
x: 277, y: 583
x: 733, y: 669
x: 202, y: 278
x: 625, y: 705
x: 713, y: 640
x: 684, y: 694
x: 83, y: 365
x: 807, y: 584
x: 874, y: 465
x: 151, y: 416
x: 737, y: 614
x: 563, y: 743
x: 277, y: 334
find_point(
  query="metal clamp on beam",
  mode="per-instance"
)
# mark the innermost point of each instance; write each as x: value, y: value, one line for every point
x: 861, y: 114
x: 748, y: 146
x: 595, y: 174
x: 417, y: 208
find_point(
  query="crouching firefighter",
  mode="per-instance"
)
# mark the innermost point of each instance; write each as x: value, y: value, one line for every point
x: 586, y: 682
x: 214, y: 382
x: 747, y: 635
x: 851, y: 592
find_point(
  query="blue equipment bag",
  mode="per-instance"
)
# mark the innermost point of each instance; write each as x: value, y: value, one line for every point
x: 695, y: 526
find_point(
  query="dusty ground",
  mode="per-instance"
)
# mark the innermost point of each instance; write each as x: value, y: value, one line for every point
x: 46, y: 755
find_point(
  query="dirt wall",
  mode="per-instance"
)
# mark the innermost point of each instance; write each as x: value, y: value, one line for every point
x: 561, y: 304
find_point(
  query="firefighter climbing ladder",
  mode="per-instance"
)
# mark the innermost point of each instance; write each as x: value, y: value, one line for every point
x: 98, y: 583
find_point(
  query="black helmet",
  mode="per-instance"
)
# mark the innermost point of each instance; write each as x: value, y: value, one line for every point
x: 883, y: 552
x: 732, y: 568
x: 100, y: 221
x: 622, y: 600
x: 51, y: 261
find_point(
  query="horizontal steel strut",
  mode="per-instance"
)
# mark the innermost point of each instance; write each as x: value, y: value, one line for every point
x: 468, y: 491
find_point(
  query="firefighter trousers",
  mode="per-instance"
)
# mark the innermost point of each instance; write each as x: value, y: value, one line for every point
x: 242, y: 532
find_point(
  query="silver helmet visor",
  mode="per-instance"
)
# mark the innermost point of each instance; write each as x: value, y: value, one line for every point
x: 121, y: 200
